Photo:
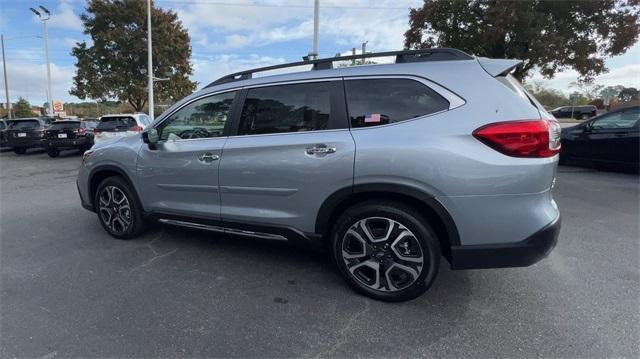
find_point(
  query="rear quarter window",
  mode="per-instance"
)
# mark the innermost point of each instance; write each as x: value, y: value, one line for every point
x: 373, y: 102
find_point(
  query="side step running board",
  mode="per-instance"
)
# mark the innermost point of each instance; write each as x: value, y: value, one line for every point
x: 219, y: 229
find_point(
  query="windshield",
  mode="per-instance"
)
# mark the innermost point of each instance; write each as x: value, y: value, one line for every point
x: 112, y: 123
x: 65, y: 125
x: 24, y: 125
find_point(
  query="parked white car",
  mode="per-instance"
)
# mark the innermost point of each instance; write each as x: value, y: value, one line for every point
x: 119, y: 125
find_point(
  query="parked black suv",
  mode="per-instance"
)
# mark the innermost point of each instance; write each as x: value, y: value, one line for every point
x: 3, y: 128
x: 68, y: 135
x: 25, y: 133
x: 579, y: 112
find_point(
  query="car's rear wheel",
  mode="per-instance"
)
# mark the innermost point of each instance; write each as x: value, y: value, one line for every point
x: 386, y: 250
x: 20, y: 150
x: 53, y: 152
x: 584, y: 117
x: 119, y: 210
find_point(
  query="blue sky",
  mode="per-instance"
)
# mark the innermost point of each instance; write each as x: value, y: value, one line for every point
x: 230, y: 35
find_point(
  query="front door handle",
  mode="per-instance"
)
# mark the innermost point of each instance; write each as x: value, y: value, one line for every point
x: 320, y: 149
x: 208, y: 157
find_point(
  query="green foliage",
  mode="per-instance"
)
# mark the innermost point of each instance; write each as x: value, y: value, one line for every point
x: 548, y: 97
x: 549, y: 35
x: 22, y: 108
x: 115, y: 65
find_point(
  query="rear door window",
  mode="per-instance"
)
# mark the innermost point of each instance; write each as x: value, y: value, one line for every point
x: 116, y: 123
x: 24, y: 125
x: 64, y: 126
x: 372, y: 102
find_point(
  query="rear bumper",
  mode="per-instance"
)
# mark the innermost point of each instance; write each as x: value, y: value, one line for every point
x: 504, y: 255
x: 25, y: 143
x: 67, y: 143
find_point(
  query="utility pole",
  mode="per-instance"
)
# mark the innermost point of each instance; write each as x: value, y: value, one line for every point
x: 44, y: 17
x: 316, y: 28
x: 150, y: 60
x: 6, y: 81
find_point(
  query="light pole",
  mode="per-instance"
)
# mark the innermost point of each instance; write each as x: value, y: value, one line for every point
x: 316, y: 27
x: 150, y: 60
x: 44, y: 16
x: 6, y: 81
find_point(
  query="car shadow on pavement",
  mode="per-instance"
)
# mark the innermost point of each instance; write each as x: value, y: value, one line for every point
x: 311, y: 270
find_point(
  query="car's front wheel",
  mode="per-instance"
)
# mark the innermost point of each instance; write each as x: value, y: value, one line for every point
x: 386, y: 250
x: 119, y: 210
x: 53, y: 152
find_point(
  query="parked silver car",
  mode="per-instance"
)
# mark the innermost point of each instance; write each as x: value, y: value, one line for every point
x: 391, y: 167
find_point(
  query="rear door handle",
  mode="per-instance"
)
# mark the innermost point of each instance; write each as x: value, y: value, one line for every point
x: 208, y: 157
x: 320, y: 149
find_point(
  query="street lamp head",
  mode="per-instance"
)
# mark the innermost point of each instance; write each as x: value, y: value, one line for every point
x: 35, y: 11
x: 45, y: 10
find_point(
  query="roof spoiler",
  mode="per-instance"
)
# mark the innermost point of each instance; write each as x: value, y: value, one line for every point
x: 498, y: 67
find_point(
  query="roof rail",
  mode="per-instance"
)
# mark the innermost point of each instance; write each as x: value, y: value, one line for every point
x: 404, y: 56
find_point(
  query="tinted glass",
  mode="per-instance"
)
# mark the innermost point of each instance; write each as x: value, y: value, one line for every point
x: 112, y: 123
x: 286, y: 108
x: 623, y: 119
x: 24, y: 125
x: 64, y: 125
x: 89, y: 124
x: 2, y: 126
x: 203, y: 118
x: 382, y: 101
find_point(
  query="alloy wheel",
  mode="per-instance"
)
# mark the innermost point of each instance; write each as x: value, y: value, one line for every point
x: 114, y: 209
x: 382, y: 254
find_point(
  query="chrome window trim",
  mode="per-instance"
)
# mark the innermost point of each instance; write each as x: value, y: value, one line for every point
x: 454, y: 100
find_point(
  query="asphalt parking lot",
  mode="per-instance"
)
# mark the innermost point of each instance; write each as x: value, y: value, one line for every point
x: 69, y: 290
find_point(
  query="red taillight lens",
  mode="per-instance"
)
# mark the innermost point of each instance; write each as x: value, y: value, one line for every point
x: 96, y: 130
x: 80, y: 131
x: 136, y: 129
x: 535, y: 138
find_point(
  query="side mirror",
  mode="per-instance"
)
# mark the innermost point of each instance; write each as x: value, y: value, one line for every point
x: 150, y: 137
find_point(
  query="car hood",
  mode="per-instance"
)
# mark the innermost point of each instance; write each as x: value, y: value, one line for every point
x: 106, y: 142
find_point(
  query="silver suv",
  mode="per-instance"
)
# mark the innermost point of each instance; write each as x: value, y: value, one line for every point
x: 389, y: 166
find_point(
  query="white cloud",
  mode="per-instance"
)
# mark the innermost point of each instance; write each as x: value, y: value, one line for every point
x: 382, y: 23
x: 29, y: 80
x: 65, y: 18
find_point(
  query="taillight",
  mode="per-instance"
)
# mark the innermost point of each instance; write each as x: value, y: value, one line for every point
x: 528, y: 138
x: 80, y: 131
x: 136, y: 129
x: 96, y: 130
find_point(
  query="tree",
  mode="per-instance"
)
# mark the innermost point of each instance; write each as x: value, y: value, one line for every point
x: 22, y: 108
x: 549, y: 35
x: 589, y: 89
x: 115, y: 65
x: 548, y: 97
x: 628, y: 94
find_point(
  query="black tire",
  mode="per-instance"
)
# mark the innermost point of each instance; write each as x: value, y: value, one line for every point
x: 398, y: 216
x: 585, y: 117
x: 53, y: 152
x: 136, y: 221
x: 20, y: 150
